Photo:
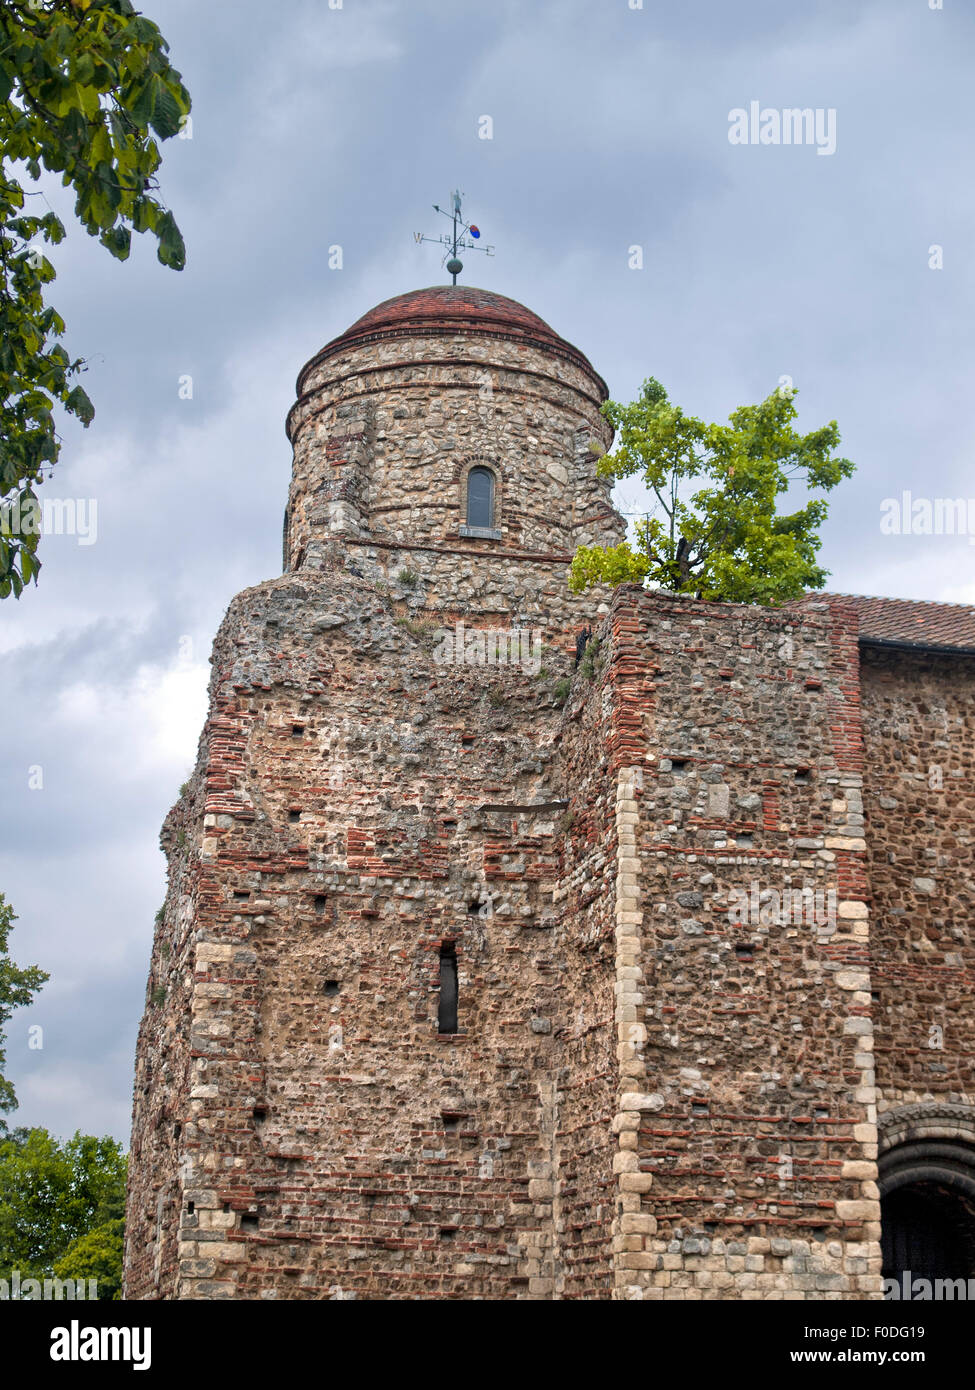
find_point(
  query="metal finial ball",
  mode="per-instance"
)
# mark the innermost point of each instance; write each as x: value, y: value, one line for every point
x: 454, y: 266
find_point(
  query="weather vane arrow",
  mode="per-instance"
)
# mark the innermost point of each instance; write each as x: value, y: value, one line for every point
x: 464, y: 237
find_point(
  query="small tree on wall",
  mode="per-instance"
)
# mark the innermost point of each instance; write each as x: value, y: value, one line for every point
x: 724, y: 541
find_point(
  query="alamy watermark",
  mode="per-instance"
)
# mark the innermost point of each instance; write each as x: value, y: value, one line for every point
x: 908, y: 515
x: 517, y: 646
x: 78, y: 1343
x: 783, y: 907
x: 906, y: 1288
x: 793, y: 125
x: 17, y: 1290
x: 52, y: 516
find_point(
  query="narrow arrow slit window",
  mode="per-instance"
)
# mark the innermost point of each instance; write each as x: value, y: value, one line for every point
x: 447, y: 1013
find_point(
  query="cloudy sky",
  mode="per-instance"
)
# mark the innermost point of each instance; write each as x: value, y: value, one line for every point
x: 316, y: 126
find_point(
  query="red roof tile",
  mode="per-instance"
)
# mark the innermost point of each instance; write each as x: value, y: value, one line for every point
x: 453, y: 309
x: 915, y: 621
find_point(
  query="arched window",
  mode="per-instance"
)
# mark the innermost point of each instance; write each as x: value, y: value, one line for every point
x: 480, y: 498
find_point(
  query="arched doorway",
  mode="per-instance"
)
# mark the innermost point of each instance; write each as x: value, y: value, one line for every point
x: 927, y: 1204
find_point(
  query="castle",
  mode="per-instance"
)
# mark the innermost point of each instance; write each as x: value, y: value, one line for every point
x: 521, y: 944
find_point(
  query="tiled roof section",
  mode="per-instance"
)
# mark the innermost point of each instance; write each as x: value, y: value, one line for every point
x: 452, y: 304
x: 913, y: 620
x: 453, y: 309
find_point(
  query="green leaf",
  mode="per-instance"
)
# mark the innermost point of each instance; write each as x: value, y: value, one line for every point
x: 172, y: 251
x: 29, y: 564
x: 156, y: 105
x: 77, y: 403
x: 119, y: 242
x: 167, y: 112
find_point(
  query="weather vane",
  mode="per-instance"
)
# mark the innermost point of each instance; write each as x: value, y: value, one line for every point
x: 465, y: 237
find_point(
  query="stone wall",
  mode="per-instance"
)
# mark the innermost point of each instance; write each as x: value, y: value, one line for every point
x: 357, y: 805
x: 663, y: 1085
x: 746, y: 1164
x: 919, y: 728
x: 585, y: 904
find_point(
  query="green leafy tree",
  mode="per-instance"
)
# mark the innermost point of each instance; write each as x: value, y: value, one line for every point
x: 96, y: 1255
x: 51, y: 1196
x: 17, y: 989
x: 85, y: 86
x: 723, y: 541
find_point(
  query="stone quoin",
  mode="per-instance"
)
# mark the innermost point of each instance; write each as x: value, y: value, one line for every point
x: 463, y: 987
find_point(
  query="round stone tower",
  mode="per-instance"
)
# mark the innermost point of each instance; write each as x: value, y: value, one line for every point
x: 447, y: 427
x: 360, y: 1004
